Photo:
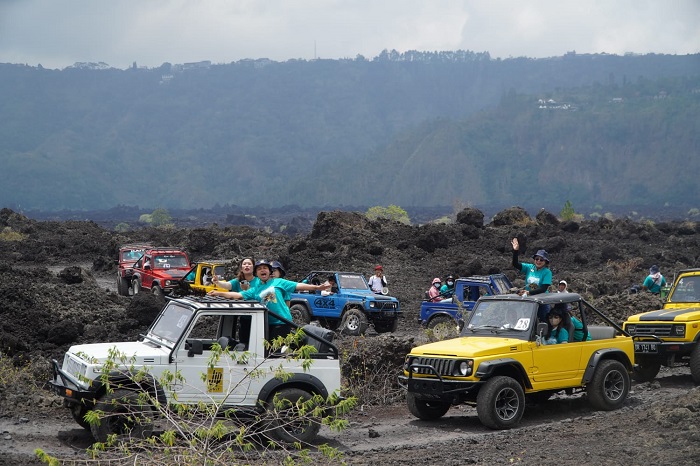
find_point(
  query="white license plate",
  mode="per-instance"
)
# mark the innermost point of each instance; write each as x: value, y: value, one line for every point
x: 646, y: 347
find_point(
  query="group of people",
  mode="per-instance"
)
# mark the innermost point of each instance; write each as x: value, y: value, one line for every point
x: 264, y: 281
x: 439, y: 290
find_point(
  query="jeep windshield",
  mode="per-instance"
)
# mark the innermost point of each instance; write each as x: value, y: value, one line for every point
x: 687, y: 291
x: 167, y: 261
x: 131, y: 255
x: 352, y: 281
x: 495, y: 317
x: 172, y: 322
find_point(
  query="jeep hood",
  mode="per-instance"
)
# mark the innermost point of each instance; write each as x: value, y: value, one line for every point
x: 470, y: 347
x: 171, y: 273
x: 686, y: 314
x: 143, y: 352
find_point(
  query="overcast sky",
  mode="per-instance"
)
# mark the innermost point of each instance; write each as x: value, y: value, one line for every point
x: 58, y: 33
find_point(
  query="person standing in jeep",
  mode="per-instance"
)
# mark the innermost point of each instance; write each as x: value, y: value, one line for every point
x: 538, y: 277
x: 377, y: 281
x: 271, y: 292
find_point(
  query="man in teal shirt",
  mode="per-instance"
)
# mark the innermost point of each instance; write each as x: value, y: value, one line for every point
x: 271, y: 292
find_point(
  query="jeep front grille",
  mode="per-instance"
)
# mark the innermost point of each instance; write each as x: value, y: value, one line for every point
x: 442, y: 366
x: 660, y: 330
x: 74, y: 367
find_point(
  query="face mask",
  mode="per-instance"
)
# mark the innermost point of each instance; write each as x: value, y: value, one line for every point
x: 450, y: 283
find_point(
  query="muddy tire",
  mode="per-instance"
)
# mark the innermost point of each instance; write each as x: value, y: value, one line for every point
x: 157, y: 292
x: 609, y: 386
x: 500, y: 403
x: 300, y: 315
x: 288, y: 425
x: 136, y: 286
x: 122, y: 414
x: 428, y: 410
x: 441, y: 320
x: 354, y: 322
x: 695, y: 364
x: 646, y: 372
x: 122, y: 286
x: 78, y: 411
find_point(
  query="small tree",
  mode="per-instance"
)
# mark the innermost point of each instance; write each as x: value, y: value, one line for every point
x: 161, y: 217
x: 567, y: 212
x: 392, y: 212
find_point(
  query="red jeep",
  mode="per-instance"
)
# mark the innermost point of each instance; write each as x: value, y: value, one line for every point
x: 160, y: 270
x: 128, y: 255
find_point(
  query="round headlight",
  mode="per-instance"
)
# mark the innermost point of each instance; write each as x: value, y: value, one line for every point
x: 464, y: 368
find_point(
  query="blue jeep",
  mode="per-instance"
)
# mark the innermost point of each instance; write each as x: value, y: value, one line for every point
x: 467, y: 291
x: 351, y: 308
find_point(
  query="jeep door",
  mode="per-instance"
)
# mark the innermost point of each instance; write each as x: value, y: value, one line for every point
x: 207, y: 379
x: 559, y: 363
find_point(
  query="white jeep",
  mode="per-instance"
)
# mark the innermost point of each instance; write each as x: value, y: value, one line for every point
x: 174, y: 363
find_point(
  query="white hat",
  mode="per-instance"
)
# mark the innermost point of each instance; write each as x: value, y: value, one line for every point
x: 564, y: 282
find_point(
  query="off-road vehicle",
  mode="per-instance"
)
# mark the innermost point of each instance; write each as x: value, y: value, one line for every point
x: 160, y: 270
x: 199, y: 280
x: 181, y: 341
x: 350, y: 309
x: 670, y: 335
x: 499, y: 360
x: 466, y: 292
x: 127, y: 257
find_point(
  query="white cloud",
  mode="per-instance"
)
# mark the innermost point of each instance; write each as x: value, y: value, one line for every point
x: 150, y: 32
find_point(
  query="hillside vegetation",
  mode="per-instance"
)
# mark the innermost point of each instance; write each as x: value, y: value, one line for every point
x: 417, y: 129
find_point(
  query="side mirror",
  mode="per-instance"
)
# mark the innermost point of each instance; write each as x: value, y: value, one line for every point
x: 196, y: 347
x: 541, y: 332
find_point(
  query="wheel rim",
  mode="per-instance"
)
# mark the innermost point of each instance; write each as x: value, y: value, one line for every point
x: 353, y: 322
x: 507, y: 404
x: 614, y: 385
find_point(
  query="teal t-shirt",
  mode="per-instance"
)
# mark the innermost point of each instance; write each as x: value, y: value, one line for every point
x: 272, y: 295
x: 654, y: 286
x: 578, y: 330
x: 236, y: 284
x: 534, y: 277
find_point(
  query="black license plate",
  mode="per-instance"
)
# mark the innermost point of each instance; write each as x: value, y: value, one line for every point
x: 646, y: 347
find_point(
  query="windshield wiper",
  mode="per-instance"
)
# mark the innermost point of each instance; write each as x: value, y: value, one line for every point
x: 480, y: 327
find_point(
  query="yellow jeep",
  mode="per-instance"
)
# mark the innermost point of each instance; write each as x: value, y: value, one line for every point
x: 199, y: 279
x: 500, y: 359
x: 670, y: 335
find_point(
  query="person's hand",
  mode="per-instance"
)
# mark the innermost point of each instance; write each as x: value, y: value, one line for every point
x: 324, y: 286
x: 215, y: 279
x: 516, y: 244
x: 214, y: 293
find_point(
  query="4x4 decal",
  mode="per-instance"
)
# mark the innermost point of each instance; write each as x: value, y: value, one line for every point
x: 325, y: 303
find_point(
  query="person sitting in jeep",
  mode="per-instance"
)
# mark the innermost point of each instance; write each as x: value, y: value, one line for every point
x: 448, y: 288
x: 557, y: 320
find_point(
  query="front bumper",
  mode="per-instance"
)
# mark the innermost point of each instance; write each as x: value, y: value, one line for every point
x: 437, y: 387
x: 65, y: 386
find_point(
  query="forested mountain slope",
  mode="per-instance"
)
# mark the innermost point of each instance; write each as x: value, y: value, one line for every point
x: 413, y: 128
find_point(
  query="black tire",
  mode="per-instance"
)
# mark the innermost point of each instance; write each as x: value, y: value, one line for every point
x: 500, y: 403
x: 354, y: 322
x: 78, y: 411
x: 300, y: 315
x: 646, y: 371
x: 136, y: 286
x: 387, y: 326
x: 609, y: 386
x: 122, y: 414
x: 122, y: 286
x: 157, y: 292
x: 287, y: 426
x: 695, y: 364
x: 428, y: 410
x: 440, y: 320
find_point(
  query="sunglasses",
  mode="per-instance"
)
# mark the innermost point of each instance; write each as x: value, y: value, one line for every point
x: 539, y: 259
